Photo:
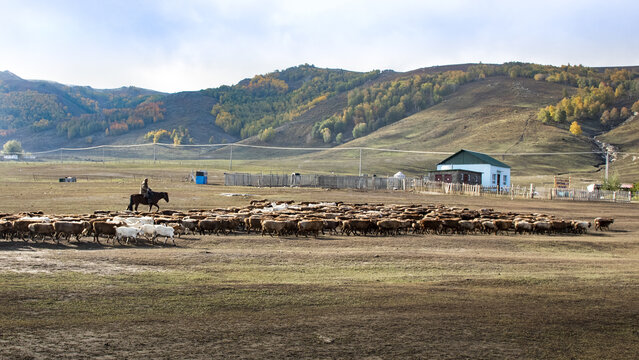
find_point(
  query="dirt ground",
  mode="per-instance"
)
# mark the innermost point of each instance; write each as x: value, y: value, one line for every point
x: 248, y: 296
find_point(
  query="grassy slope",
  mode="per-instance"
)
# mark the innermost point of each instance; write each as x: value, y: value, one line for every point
x: 626, y: 139
x: 494, y: 115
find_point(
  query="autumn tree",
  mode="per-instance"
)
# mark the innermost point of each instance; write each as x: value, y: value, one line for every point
x: 635, y: 107
x: 614, y: 114
x: 560, y: 116
x: 267, y: 134
x: 359, y: 130
x: 12, y: 147
x: 624, y: 113
x: 575, y: 128
x: 543, y: 115
x: 326, y: 135
x: 605, y: 117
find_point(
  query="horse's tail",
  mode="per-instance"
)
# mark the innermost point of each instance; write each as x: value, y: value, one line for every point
x: 130, y: 204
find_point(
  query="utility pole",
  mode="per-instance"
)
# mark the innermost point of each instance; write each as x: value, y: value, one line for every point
x: 360, y: 162
x: 607, y: 164
x: 231, y: 159
x: 154, y: 154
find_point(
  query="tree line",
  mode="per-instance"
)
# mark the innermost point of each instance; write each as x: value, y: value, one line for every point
x: 75, y: 111
x: 266, y: 101
x: 177, y: 136
x: 610, y: 97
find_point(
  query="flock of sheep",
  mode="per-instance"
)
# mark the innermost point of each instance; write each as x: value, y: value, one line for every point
x: 287, y: 219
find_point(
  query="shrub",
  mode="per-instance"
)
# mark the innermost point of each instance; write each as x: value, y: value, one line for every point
x: 12, y: 147
x: 612, y: 184
x: 575, y: 129
x: 359, y: 130
x: 267, y: 134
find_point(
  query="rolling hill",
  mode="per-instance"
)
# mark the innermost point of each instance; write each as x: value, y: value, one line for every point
x: 488, y: 108
x: 496, y: 115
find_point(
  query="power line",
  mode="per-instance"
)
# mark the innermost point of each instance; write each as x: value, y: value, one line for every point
x: 314, y: 149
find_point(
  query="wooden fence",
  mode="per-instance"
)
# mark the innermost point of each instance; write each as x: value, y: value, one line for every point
x: 420, y: 185
x: 312, y: 180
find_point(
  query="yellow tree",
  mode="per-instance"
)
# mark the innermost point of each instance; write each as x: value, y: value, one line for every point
x: 575, y: 129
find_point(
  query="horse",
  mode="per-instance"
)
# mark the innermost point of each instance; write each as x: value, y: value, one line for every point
x: 152, y: 200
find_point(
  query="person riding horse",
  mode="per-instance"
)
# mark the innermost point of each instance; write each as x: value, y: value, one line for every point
x: 145, y: 190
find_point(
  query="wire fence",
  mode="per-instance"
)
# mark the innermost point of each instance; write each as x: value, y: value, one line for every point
x: 421, y: 185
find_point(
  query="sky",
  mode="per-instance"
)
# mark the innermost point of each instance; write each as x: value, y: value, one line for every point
x: 182, y: 45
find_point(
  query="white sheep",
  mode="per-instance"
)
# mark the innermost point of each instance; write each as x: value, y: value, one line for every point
x: 580, y: 227
x: 148, y: 230
x: 40, y: 219
x: 125, y: 232
x: 166, y: 231
x: 134, y: 221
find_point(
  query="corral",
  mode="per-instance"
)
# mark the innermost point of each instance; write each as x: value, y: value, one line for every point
x: 558, y: 295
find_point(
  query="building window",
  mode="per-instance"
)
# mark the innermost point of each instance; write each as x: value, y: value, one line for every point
x: 505, y: 179
x: 494, y: 178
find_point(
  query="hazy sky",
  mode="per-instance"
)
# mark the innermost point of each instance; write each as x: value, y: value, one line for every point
x: 189, y: 45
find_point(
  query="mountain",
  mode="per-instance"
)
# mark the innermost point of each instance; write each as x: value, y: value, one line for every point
x: 510, y: 108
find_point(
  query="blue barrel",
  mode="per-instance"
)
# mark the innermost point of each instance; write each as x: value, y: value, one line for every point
x: 201, y: 177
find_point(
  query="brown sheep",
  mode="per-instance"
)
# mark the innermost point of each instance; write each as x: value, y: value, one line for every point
x: 358, y: 226
x: 502, y: 225
x: 310, y: 226
x: 430, y: 225
x: 70, y: 228
x: 104, y: 228
x: 388, y: 226
x: 41, y: 229
x: 523, y: 226
x: 603, y: 223
x: 541, y: 227
x: 331, y: 225
x: 465, y: 226
x: 253, y: 223
x: 273, y: 227
x: 6, y: 230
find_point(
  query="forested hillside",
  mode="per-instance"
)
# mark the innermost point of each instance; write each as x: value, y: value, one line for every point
x: 302, y: 105
x: 74, y: 111
x: 258, y: 105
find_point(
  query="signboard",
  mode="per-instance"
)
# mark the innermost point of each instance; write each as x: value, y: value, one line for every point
x: 562, y: 183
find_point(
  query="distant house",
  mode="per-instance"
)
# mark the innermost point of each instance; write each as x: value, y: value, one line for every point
x: 493, y: 172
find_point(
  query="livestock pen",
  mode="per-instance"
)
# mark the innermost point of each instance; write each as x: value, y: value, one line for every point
x: 419, y: 184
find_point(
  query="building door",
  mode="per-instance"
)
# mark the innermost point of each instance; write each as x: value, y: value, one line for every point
x: 498, y: 182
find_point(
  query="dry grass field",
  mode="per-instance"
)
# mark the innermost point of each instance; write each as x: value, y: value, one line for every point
x: 248, y: 296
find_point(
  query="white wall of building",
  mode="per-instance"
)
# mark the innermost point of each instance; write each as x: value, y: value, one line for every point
x: 487, y: 171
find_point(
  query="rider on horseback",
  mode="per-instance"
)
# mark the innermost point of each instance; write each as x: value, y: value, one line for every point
x: 145, y: 190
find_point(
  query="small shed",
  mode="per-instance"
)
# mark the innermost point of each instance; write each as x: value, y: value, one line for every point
x: 399, y: 175
x: 201, y: 177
